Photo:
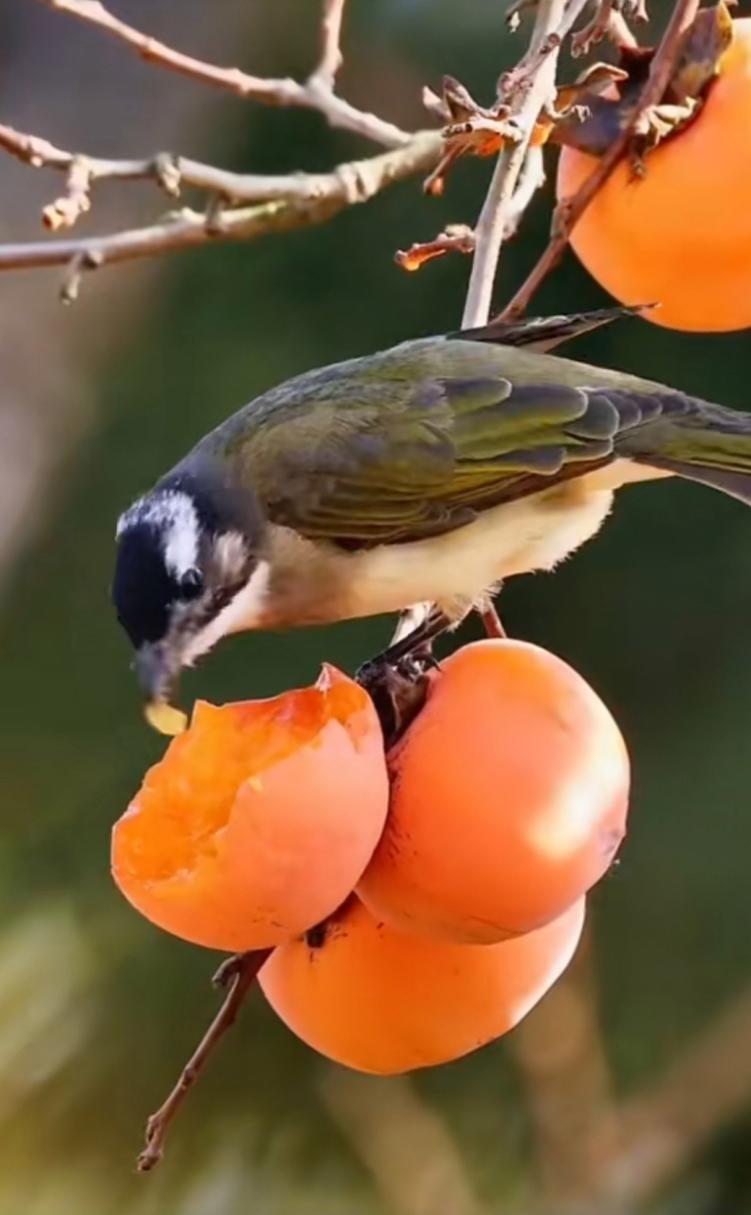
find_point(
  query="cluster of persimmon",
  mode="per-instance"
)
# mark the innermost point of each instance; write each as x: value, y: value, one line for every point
x: 418, y: 903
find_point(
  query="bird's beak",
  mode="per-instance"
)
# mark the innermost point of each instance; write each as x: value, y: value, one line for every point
x: 155, y: 672
x: 157, y: 675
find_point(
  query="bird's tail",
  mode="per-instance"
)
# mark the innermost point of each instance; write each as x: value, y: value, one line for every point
x: 544, y: 333
x: 707, y: 443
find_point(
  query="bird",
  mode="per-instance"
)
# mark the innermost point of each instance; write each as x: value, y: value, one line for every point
x: 426, y: 473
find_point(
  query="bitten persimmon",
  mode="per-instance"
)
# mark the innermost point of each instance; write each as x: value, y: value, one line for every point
x: 259, y: 819
x: 384, y: 1001
x: 679, y: 236
x: 508, y: 802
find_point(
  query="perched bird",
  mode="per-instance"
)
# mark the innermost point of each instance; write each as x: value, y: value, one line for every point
x: 428, y: 472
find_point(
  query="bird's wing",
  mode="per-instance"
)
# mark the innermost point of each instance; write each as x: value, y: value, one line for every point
x: 364, y: 461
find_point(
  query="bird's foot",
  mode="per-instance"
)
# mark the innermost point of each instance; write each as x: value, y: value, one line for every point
x: 397, y: 680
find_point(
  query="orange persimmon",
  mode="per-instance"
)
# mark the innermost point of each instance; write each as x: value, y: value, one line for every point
x: 681, y: 235
x: 384, y: 1001
x: 259, y: 819
x: 508, y: 801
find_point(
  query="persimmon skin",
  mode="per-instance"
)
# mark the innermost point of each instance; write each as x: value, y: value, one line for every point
x: 258, y: 820
x: 681, y: 235
x: 508, y: 801
x: 384, y: 1001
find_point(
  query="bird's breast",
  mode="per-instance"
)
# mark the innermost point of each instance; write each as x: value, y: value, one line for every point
x: 319, y: 582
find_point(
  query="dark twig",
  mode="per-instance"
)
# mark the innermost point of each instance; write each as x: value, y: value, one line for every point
x: 315, y: 94
x: 238, y: 976
x: 569, y: 210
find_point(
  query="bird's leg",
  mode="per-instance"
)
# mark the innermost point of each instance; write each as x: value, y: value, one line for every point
x: 491, y: 621
x: 417, y: 643
x: 410, y: 619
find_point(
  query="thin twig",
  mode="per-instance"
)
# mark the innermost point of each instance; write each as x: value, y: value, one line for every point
x: 569, y: 210
x: 595, y: 30
x: 534, y: 89
x: 455, y: 238
x: 170, y: 172
x: 323, y: 196
x: 519, y: 79
x: 331, y: 37
x: 314, y: 94
x: 618, y: 31
x: 237, y: 976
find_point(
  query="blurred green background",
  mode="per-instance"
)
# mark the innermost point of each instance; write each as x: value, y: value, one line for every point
x: 630, y: 1088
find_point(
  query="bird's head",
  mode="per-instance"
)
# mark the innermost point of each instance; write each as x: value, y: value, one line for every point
x: 188, y: 571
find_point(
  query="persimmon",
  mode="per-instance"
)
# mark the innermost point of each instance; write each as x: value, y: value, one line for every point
x: 259, y: 819
x: 508, y: 802
x: 680, y: 235
x: 385, y: 1001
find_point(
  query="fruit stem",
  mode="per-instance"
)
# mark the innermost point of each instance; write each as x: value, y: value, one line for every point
x: 237, y: 975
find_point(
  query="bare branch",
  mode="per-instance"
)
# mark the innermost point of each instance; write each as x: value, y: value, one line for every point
x: 238, y: 976
x: 76, y: 201
x: 171, y: 172
x: 529, y: 181
x: 518, y: 81
x: 315, y: 94
x: 331, y: 36
x: 666, y: 1126
x: 595, y: 29
x: 570, y: 210
x: 531, y: 85
x: 41, y: 154
x: 455, y: 238
x: 290, y: 202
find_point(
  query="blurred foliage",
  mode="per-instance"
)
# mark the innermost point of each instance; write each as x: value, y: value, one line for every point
x: 97, y: 1009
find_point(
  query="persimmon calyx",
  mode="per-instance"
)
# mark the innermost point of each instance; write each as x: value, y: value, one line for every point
x: 592, y: 123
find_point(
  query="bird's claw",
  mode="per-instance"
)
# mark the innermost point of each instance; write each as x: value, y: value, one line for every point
x: 397, y: 687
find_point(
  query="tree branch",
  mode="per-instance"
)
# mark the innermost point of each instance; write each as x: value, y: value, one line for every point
x: 455, y: 238
x: 315, y: 94
x: 331, y: 36
x: 237, y: 975
x: 531, y: 86
x: 171, y: 172
x: 668, y: 1123
x: 289, y: 202
x: 569, y: 210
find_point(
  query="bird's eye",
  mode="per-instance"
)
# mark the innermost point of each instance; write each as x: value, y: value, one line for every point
x: 191, y: 583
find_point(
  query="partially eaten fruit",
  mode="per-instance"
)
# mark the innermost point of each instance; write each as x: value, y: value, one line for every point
x: 259, y: 819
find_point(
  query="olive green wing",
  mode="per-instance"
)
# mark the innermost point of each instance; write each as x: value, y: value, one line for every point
x: 360, y: 460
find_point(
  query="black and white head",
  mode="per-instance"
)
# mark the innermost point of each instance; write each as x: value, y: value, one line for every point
x: 188, y: 571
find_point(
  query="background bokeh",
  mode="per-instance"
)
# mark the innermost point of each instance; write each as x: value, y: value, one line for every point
x: 629, y: 1089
